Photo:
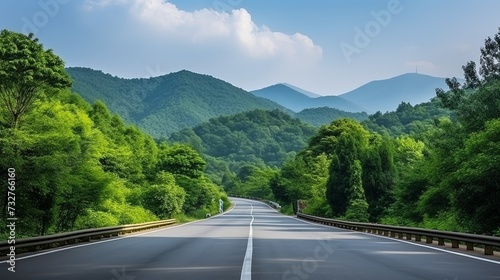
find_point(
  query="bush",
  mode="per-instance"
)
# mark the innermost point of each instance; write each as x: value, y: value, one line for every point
x: 95, y: 219
x: 357, y: 211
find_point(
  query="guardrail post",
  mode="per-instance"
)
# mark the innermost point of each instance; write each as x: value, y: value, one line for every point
x: 488, y: 250
x: 490, y: 243
x: 428, y: 239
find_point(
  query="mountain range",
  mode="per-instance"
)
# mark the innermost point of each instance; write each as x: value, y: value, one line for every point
x: 168, y: 103
x: 296, y: 100
x: 383, y: 95
x: 386, y: 95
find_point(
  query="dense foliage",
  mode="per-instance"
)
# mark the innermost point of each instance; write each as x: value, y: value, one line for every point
x: 345, y: 171
x: 408, y: 119
x: 258, y: 137
x: 435, y: 166
x: 324, y: 115
x: 79, y: 166
x: 25, y: 69
x: 166, y: 104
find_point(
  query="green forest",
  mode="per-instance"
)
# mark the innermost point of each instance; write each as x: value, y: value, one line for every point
x: 433, y: 165
x: 166, y: 104
x: 78, y: 165
x: 81, y: 165
x: 258, y: 137
x: 325, y: 115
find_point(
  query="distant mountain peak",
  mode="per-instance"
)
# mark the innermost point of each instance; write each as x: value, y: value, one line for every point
x: 386, y: 94
x: 167, y: 103
x: 297, y: 99
x: 303, y: 91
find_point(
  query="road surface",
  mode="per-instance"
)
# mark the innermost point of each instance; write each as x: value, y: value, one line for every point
x: 252, y: 241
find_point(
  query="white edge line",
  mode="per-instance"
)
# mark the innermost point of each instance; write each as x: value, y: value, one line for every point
x: 403, y: 241
x: 246, y: 269
x: 114, y: 239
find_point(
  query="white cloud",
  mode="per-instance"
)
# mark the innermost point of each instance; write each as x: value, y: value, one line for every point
x: 236, y: 29
x: 142, y: 38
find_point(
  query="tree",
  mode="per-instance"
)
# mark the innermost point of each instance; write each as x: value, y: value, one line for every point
x: 256, y: 183
x: 475, y: 187
x: 201, y: 193
x: 477, y: 100
x: 344, y: 141
x: 490, y: 58
x: 339, y: 185
x: 378, y: 176
x: 357, y: 208
x: 57, y: 160
x: 26, y: 70
x: 182, y: 160
x: 164, y: 198
x: 324, y: 142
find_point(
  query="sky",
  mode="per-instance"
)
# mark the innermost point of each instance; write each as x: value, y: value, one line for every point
x: 325, y: 46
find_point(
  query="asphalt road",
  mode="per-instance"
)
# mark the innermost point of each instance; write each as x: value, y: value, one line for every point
x: 250, y: 242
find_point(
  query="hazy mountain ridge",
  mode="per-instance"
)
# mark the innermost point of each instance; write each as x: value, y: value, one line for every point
x: 297, y: 101
x: 166, y: 104
x: 381, y: 95
x: 385, y: 95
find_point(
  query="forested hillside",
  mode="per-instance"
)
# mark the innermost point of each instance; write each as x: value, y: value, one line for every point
x: 258, y: 137
x: 166, y: 104
x: 325, y: 115
x: 435, y: 165
x: 408, y: 119
x: 76, y: 165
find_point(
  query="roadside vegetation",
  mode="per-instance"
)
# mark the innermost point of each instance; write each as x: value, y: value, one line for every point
x: 433, y: 165
x: 78, y: 165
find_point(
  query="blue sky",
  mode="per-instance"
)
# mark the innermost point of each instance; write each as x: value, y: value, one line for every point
x: 328, y: 47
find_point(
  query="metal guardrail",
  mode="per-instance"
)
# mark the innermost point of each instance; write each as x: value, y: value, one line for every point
x: 50, y: 241
x: 273, y: 204
x: 415, y: 234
